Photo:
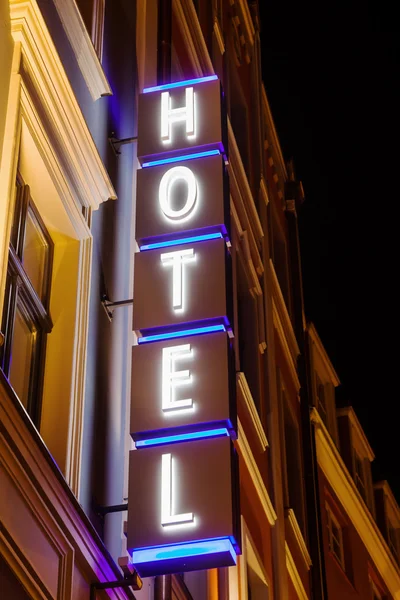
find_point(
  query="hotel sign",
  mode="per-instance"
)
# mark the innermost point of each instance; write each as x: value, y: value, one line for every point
x: 183, y: 411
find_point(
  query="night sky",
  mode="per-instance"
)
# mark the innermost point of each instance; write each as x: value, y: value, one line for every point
x: 331, y: 74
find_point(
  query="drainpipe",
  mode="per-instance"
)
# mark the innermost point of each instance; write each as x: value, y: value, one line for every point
x: 164, y: 41
x: 294, y: 197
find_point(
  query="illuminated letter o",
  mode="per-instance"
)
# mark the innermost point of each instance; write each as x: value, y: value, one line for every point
x: 168, y: 179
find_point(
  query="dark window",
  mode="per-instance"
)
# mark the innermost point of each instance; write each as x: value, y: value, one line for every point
x: 26, y: 319
x: 249, y: 352
x: 293, y: 464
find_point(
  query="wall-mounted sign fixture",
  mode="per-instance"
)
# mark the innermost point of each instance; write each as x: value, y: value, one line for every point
x: 183, y: 410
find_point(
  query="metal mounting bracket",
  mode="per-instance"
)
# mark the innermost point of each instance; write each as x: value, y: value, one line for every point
x: 109, y: 306
x: 116, y: 143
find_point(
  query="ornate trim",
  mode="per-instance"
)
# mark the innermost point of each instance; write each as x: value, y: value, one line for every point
x: 85, y: 53
x: 284, y: 326
x: 291, y: 518
x: 218, y: 36
x: 345, y: 489
x: 255, y: 475
x: 44, y: 75
x: 294, y: 575
x: 252, y: 411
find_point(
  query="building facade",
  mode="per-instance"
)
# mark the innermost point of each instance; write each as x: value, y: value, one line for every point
x: 313, y: 525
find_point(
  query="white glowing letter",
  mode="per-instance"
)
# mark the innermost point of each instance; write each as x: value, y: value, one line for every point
x: 177, y: 259
x: 167, y: 500
x: 171, y: 115
x: 171, y: 378
x: 164, y: 193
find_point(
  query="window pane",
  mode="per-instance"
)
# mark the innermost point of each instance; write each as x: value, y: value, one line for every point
x: 34, y: 253
x: 21, y: 357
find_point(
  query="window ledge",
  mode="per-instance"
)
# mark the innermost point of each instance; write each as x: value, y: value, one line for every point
x: 252, y: 411
x: 291, y: 518
x: 82, y: 46
x: 262, y: 493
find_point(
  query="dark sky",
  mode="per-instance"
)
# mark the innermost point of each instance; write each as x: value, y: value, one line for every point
x: 331, y: 74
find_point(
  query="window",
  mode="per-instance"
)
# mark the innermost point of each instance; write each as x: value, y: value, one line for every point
x: 92, y: 12
x: 292, y: 458
x: 321, y: 400
x: 335, y: 537
x: 392, y: 539
x: 359, y: 475
x: 26, y: 319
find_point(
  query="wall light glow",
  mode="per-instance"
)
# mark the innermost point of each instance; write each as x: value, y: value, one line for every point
x: 174, y: 159
x: 177, y: 259
x: 164, y: 192
x: 171, y: 378
x: 171, y: 115
x: 167, y: 500
x: 188, y: 240
x: 182, y: 437
x: 182, y: 333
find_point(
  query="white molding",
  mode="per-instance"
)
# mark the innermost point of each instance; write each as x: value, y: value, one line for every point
x: 43, y: 73
x: 83, y: 48
x: 291, y: 518
x: 236, y: 168
x: 345, y: 489
x: 284, y: 326
x: 76, y: 412
x: 218, y: 36
x: 252, y: 411
x: 264, y: 191
x: 294, y: 575
x: 255, y: 475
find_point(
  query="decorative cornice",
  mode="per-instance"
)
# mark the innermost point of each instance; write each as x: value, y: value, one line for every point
x: 59, y: 504
x: 252, y: 411
x: 291, y: 518
x: 43, y: 76
x: 294, y: 575
x: 255, y: 475
x: 313, y: 334
x: 274, y: 137
x: 83, y: 48
x: 345, y: 489
x: 348, y: 411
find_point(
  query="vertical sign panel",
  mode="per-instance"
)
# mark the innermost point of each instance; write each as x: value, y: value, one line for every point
x: 182, y: 385
x: 182, y: 197
x: 183, y: 510
x: 190, y: 497
x: 183, y: 284
x: 180, y: 120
